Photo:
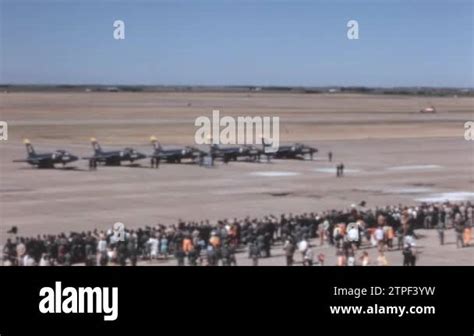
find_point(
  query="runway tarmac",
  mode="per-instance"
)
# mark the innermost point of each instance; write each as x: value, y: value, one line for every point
x: 385, y: 163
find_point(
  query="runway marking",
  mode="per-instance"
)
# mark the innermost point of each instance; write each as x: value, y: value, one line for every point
x: 275, y: 173
x: 407, y: 190
x: 448, y: 196
x: 414, y: 167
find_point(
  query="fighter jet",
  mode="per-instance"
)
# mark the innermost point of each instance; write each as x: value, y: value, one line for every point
x: 174, y: 155
x: 112, y: 158
x: 294, y: 151
x: 46, y: 160
x: 233, y: 153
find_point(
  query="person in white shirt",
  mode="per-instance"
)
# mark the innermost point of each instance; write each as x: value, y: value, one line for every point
x: 153, y: 244
x: 379, y: 233
x: 44, y: 261
x: 101, y: 250
x: 28, y: 260
x: 302, y: 247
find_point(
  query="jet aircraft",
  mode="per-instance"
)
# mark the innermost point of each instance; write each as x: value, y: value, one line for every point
x: 46, y: 160
x: 174, y: 155
x: 227, y: 154
x: 113, y: 158
x: 294, y: 151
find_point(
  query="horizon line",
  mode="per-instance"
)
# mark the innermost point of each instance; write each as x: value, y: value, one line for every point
x: 241, y: 86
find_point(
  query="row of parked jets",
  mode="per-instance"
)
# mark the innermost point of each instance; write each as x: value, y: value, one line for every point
x: 160, y: 154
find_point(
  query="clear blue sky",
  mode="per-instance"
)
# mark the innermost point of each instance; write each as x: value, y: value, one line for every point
x: 222, y: 42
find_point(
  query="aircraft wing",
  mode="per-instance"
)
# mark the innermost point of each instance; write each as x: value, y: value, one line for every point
x: 270, y: 150
x: 98, y: 156
x: 31, y: 161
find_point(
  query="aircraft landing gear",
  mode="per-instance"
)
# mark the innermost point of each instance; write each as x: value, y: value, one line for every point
x: 46, y: 165
x: 112, y: 163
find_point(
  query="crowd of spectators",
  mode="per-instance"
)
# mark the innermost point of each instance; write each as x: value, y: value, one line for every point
x: 203, y: 243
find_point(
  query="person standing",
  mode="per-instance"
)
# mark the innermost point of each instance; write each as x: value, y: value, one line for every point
x: 102, y: 258
x: 409, y: 255
x: 323, y: 229
x: 211, y: 256
x: 389, y: 235
x: 330, y: 156
x: 225, y: 254
x: 254, y: 253
x: 192, y: 256
x: 179, y: 255
x: 232, y: 257
x: 379, y: 234
x: 459, y: 228
x: 153, y: 244
x: 402, y: 229
x: 308, y: 257
x: 302, y: 247
x: 441, y: 227
x: 132, y: 248
x: 289, y: 249
x: 164, y: 247
x: 409, y: 251
x: 467, y: 234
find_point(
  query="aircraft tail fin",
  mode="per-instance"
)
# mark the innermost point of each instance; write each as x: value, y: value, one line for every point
x: 29, y: 147
x: 96, y: 146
